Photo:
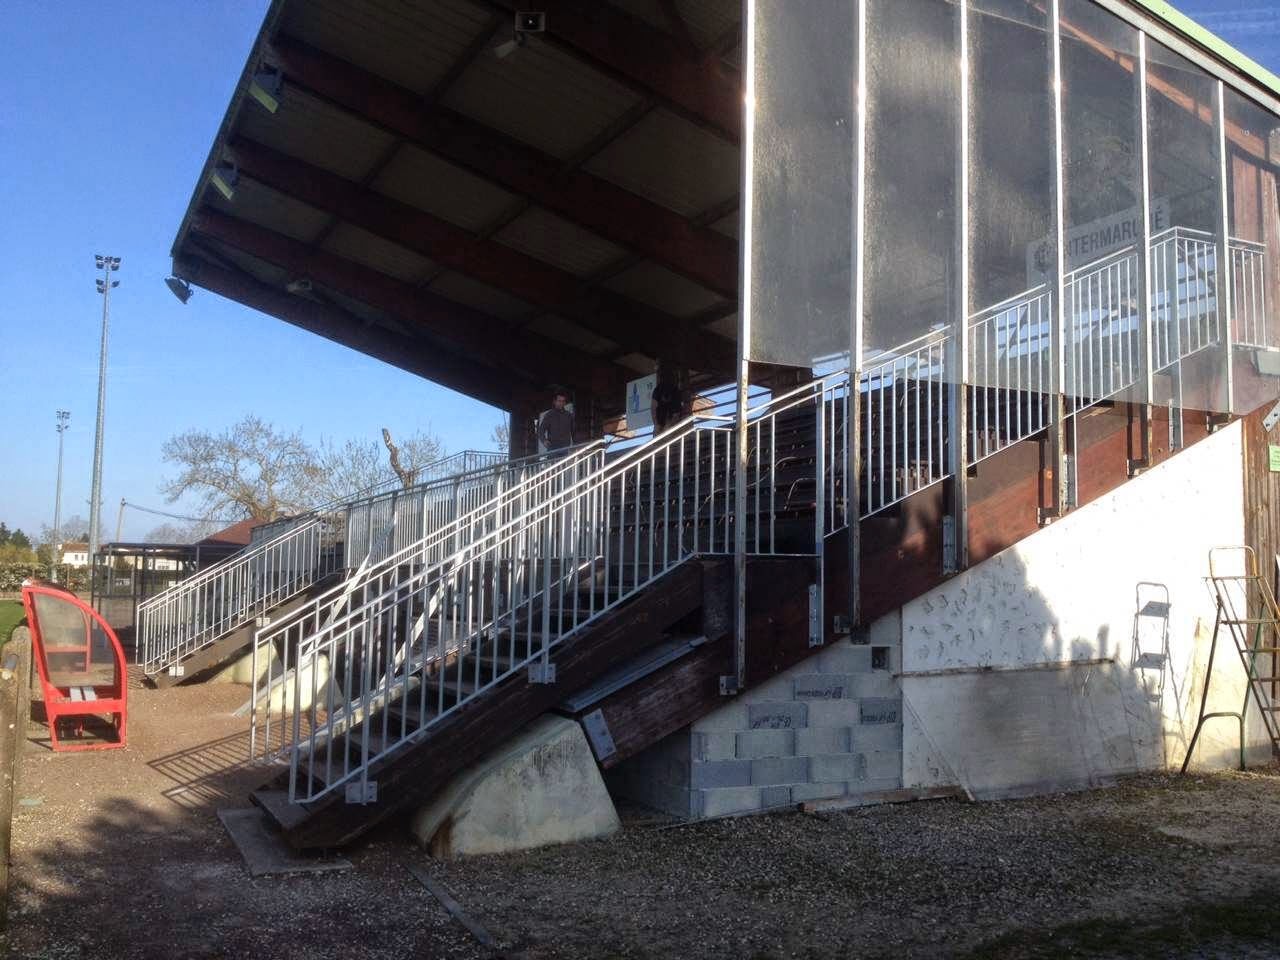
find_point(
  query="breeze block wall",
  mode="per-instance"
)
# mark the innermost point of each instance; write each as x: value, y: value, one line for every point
x: 829, y: 727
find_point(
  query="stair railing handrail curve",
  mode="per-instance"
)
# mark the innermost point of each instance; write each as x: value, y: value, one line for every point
x: 580, y: 453
x: 209, y: 573
x: 543, y: 516
x: 192, y: 627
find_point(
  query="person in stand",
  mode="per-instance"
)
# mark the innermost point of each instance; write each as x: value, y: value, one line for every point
x: 555, y: 426
x: 666, y: 405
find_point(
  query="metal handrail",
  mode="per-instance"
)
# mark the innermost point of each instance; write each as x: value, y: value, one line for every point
x: 196, y: 611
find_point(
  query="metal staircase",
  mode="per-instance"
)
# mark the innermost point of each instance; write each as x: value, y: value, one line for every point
x: 462, y: 635
x: 200, y: 621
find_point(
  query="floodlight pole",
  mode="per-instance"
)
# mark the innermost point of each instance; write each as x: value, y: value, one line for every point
x: 107, y: 265
x: 63, y: 421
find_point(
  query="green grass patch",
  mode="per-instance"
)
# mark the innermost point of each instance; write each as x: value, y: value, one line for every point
x: 1189, y: 928
x: 11, y: 614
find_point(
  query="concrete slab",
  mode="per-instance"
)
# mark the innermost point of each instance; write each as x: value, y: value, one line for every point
x: 541, y: 788
x: 264, y: 850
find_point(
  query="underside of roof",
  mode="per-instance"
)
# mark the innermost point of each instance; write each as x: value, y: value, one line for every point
x: 496, y: 217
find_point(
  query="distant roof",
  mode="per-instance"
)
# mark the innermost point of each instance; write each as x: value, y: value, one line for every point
x: 239, y: 534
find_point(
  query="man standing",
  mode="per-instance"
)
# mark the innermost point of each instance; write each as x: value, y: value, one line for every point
x: 555, y: 427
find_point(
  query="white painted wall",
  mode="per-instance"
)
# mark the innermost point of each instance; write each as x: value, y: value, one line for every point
x: 1067, y: 594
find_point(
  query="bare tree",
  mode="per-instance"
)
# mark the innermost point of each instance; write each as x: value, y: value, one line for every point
x: 358, y: 466
x: 500, y: 437
x: 249, y: 469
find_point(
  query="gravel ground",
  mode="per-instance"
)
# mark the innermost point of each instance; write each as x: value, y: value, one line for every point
x: 119, y: 854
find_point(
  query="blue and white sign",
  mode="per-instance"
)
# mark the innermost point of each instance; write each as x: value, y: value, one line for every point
x: 639, y: 395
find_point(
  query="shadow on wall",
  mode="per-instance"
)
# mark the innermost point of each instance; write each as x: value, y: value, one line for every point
x: 1009, y: 693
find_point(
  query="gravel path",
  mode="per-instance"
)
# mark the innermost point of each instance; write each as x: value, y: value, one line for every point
x: 119, y: 854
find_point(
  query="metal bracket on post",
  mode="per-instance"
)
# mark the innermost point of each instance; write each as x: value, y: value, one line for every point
x: 1072, y: 480
x: 949, y: 564
x: 841, y: 625
x: 542, y: 672
x: 815, y: 616
x: 362, y: 793
x: 728, y: 686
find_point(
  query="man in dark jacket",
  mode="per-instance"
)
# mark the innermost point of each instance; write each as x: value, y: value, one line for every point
x: 555, y: 427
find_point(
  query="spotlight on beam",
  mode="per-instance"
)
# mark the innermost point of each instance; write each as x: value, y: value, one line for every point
x: 224, y: 180
x: 528, y: 22
x: 180, y: 288
x: 301, y: 285
x: 265, y: 87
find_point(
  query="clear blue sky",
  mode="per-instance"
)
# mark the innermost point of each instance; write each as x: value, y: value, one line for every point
x: 106, y: 114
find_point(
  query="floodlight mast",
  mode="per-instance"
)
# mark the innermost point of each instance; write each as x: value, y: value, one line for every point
x: 107, y: 265
x: 55, y: 548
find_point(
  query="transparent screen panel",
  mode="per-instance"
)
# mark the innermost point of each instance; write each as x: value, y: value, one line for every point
x: 800, y: 242
x: 1010, y: 224
x: 1103, y: 353
x: 913, y: 79
x: 1253, y: 205
x: 77, y: 650
x: 1188, y: 315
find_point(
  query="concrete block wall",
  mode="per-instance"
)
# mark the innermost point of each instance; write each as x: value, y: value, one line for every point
x: 828, y: 727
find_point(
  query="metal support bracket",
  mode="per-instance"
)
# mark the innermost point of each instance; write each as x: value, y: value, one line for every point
x: 1072, y: 485
x: 362, y: 793
x: 728, y: 686
x: 841, y: 626
x: 949, y: 564
x: 815, y: 616
x: 542, y: 673
x: 177, y: 671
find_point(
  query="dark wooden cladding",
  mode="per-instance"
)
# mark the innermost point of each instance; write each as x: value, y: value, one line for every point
x: 412, y: 777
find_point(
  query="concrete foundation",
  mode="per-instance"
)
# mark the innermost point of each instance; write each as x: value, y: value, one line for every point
x: 541, y: 788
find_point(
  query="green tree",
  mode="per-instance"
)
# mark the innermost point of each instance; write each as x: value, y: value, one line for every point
x: 20, y: 539
x: 4, y: 534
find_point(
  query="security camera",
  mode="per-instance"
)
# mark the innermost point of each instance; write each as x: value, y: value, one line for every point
x: 527, y: 22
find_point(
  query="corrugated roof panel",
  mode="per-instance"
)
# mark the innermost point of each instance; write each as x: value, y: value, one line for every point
x: 542, y: 96
x: 261, y: 205
x: 543, y: 235
x: 312, y: 130
x: 373, y: 251
x: 429, y: 183
x: 565, y: 331
x: 706, y: 20
x: 413, y: 44
x: 672, y: 162
x: 260, y: 270
x: 479, y: 296
x: 653, y: 284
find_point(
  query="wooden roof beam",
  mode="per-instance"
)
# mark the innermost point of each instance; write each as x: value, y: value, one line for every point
x: 647, y: 228
x: 477, y: 334
x: 636, y: 326
x: 482, y: 383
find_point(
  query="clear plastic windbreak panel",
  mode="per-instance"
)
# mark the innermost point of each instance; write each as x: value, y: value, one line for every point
x: 77, y: 651
x: 1188, y: 313
x: 1010, y: 223
x: 800, y: 170
x: 910, y: 306
x: 1104, y: 355
x: 1253, y: 197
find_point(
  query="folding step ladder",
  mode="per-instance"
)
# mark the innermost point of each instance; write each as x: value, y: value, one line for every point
x: 1247, y: 609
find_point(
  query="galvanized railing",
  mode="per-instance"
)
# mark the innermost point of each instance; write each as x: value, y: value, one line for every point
x: 1249, y: 295
x: 1185, y: 309
x: 1104, y: 356
x: 198, y: 610
x: 1009, y: 372
x: 433, y: 636
x: 281, y: 647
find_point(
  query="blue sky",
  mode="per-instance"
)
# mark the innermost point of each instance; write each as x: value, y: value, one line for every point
x: 106, y: 114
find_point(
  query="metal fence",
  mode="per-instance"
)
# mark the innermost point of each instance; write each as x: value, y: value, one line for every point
x: 1249, y: 295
